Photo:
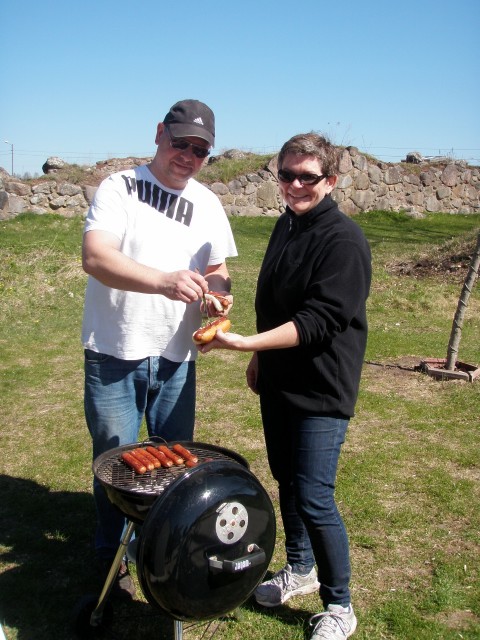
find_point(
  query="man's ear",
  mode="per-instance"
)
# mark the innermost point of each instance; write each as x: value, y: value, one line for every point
x: 160, y: 130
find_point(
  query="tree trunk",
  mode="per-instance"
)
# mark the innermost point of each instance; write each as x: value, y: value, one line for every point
x: 456, y: 332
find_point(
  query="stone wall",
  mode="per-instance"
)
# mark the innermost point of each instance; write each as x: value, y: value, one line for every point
x: 364, y: 184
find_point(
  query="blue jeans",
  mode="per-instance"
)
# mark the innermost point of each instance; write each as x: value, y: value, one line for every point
x: 303, y: 452
x: 118, y: 395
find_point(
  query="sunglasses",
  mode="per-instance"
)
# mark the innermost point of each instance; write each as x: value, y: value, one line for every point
x: 182, y: 145
x: 303, y: 178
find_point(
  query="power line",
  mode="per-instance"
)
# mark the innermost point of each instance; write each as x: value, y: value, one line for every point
x: 106, y: 154
x: 387, y: 154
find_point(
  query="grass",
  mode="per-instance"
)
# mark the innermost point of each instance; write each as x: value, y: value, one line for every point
x: 219, y: 169
x: 226, y: 169
x: 408, y: 483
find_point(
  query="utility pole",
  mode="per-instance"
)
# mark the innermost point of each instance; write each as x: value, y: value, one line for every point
x: 11, y: 145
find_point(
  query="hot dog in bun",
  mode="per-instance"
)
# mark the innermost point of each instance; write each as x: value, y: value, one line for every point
x: 208, y: 332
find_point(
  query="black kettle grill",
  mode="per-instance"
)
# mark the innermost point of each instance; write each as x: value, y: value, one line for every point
x: 207, y: 533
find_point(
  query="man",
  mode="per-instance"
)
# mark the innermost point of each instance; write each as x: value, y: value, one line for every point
x: 155, y: 242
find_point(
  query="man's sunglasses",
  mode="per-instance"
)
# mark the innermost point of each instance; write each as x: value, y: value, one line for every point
x: 182, y: 145
x: 303, y: 178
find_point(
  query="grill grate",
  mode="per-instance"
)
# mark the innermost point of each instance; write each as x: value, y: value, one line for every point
x: 113, y: 471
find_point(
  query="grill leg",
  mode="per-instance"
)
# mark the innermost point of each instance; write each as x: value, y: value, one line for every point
x: 97, y: 613
x: 178, y: 629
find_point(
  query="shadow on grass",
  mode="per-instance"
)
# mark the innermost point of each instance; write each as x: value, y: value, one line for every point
x: 289, y: 615
x: 48, y: 566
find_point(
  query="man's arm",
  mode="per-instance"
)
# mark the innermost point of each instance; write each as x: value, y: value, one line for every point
x: 102, y: 259
x: 218, y: 278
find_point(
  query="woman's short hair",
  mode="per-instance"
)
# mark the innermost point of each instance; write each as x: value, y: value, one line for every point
x: 312, y: 144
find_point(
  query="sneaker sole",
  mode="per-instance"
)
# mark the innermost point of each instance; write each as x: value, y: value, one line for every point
x: 303, y: 591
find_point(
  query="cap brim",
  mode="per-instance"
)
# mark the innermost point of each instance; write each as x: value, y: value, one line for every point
x: 185, y: 130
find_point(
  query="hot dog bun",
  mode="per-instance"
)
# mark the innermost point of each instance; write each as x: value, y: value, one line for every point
x: 208, y: 332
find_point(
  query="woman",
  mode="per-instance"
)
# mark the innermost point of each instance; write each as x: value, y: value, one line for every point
x: 306, y: 365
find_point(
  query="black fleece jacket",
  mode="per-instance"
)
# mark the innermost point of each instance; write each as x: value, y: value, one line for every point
x: 316, y: 272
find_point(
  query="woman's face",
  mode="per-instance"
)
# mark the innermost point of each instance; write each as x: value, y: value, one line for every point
x: 301, y: 198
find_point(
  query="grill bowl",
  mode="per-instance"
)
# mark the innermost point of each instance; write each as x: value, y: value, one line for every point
x: 134, y: 494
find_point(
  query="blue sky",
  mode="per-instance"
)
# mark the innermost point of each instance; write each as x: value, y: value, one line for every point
x: 89, y: 80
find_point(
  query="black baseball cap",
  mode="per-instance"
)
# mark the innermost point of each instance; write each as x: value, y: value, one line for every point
x: 191, y: 118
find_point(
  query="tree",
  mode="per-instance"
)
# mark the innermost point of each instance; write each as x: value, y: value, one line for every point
x: 456, y: 333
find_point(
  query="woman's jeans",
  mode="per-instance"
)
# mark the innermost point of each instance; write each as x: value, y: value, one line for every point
x: 303, y: 452
x: 118, y: 395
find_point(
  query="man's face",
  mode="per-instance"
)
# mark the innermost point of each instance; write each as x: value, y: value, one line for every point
x: 173, y: 167
x: 301, y: 198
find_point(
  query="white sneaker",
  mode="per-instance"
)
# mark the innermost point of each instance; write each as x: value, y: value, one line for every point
x: 336, y: 623
x: 285, y: 584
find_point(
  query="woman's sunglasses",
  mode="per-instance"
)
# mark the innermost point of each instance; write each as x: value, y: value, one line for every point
x: 303, y: 178
x: 182, y: 145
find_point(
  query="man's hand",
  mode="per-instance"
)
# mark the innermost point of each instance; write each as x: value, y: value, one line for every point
x: 186, y: 286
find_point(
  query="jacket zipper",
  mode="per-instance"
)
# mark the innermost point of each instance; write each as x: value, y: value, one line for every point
x: 284, y: 248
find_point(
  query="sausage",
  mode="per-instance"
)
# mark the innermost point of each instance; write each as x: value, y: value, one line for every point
x: 134, y: 463
x: 185, y: 453
x: 220, y: 298
x: 209, y: 331
x: 176, y: 459
x: 148, y: 456
x: 219, y: 302
x: 161, y: 457
x: 191, y: 463
x: 139, y: 454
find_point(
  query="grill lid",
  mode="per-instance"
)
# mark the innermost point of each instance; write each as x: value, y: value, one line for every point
x: 207, y: 542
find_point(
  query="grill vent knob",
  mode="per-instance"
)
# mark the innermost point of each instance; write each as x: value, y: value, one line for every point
x: 232, y: 522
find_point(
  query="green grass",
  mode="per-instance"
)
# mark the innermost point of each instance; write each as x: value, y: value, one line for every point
x: 408, y: 483
x: 226, y: 169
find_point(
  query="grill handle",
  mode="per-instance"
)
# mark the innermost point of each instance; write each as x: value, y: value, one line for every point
x: 255, y: 556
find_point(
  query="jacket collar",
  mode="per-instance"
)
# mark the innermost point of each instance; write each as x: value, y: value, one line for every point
x: 308, y: 219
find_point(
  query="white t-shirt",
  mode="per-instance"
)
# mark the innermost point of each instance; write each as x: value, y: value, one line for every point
x: 161, y: 228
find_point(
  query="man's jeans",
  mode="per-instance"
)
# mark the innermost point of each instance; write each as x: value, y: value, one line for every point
x: 118, y: 395
x: 303, y: 452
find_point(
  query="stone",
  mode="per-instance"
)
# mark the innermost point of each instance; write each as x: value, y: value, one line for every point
x: 68, y: 189
x: 393, y: 176
x: 3, y: 200
x: 53, y: 164
x: 362, y: 199
x: 58, y: 202
x: 414, y: 157
x: 443, y: 192
x: 427, y: 178
x: 361, y: 181
x: 267, y: 195
x: 344, y: 182
x: 18, y: 188
x: 375, y: 174
x: 431, y: 204
x: 219, y: 188
x: 360, y: 162
x: 345, y: 164
x: 89, y: 192
x: 450, y: 176
x: 16, y: 204
x: 235, y: 187
x: 44, y: 187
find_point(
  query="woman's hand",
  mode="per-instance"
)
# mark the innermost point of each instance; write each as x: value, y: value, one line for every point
x: 222, y: 340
